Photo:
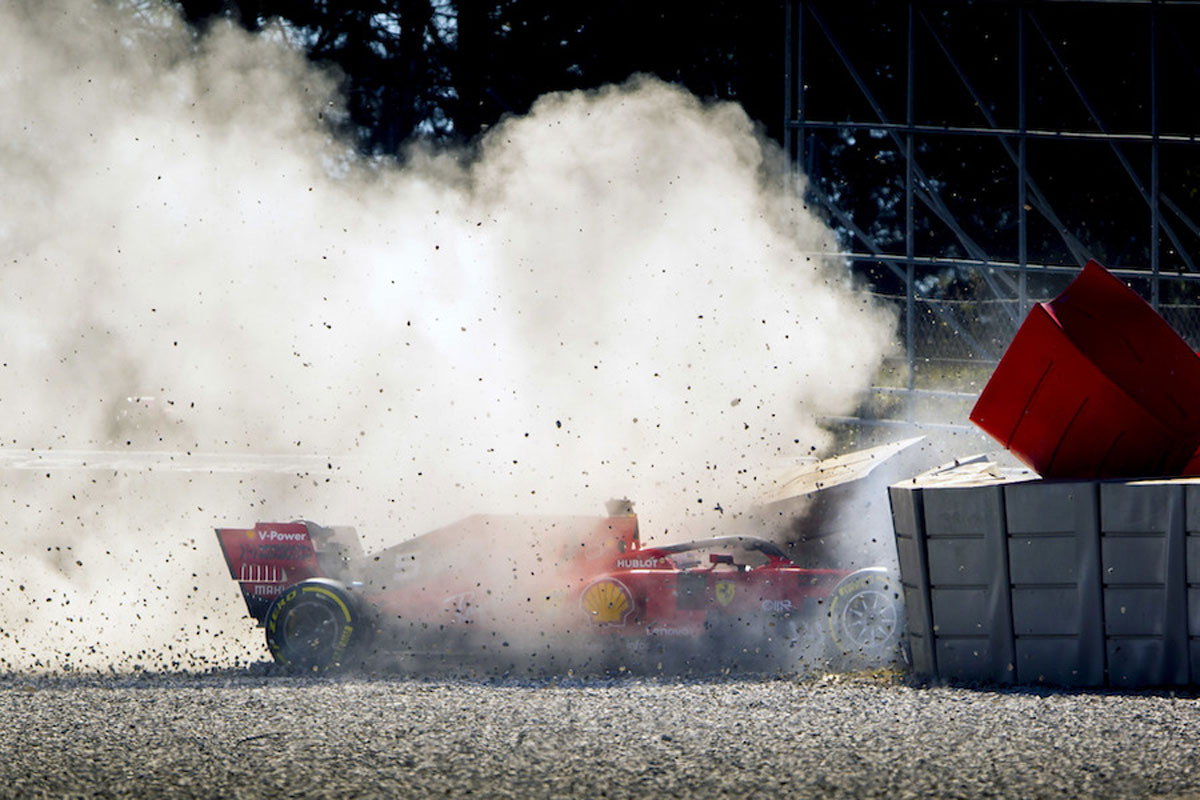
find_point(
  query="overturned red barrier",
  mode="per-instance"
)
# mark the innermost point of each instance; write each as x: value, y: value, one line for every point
x: 1096, y: 385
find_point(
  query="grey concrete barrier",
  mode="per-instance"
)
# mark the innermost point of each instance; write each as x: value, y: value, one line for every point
x: 1011, y: 579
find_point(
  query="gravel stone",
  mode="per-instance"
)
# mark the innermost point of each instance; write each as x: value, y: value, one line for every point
x: 239, y: 735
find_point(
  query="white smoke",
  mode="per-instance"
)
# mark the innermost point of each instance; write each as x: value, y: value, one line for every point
x: 615, y: 296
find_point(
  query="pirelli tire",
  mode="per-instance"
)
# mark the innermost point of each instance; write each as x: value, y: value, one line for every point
x: 866, y: 616
x: 316, y: 625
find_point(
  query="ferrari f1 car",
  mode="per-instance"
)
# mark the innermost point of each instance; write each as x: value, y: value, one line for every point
x: 551, y: 586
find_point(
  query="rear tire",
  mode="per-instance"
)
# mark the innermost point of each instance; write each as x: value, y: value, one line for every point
x: 315, y: 625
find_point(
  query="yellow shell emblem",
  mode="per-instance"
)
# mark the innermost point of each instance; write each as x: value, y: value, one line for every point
x: 725, y: 591
x: 607, y: 602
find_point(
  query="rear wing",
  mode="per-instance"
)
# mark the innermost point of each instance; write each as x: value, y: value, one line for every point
x: 271, y: 556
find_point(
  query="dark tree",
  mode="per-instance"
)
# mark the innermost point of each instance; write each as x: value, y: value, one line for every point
x: 448, y: 69
x: 394, y: 56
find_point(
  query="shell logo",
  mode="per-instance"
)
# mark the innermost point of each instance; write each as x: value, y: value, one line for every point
x: 607, y: 602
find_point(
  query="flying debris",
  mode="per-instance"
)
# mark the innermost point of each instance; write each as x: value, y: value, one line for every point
x: 1096, y: 385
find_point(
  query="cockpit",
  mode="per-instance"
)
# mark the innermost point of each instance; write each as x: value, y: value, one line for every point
x: 726, y: 553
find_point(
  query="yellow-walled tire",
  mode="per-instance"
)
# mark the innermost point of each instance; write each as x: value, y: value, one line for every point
x: 314, y: 625
x: 866, y: 614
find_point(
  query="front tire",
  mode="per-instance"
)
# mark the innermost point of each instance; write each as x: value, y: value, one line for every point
x: 314, y: 625
x: 866, y: 615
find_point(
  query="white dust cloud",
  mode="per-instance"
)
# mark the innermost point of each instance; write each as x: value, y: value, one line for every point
x: 614, y: 296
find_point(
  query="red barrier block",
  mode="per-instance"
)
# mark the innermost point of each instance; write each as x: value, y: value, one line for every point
x: 1096, y: 385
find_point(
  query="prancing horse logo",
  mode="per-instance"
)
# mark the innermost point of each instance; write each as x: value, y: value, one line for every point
x: 724, y: 592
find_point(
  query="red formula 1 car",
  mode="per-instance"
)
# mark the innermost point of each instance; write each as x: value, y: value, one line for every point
x: 560, y: 590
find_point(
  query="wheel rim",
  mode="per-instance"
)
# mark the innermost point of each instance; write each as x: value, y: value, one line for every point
x: 870, y: 619
x: 311, y: 632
